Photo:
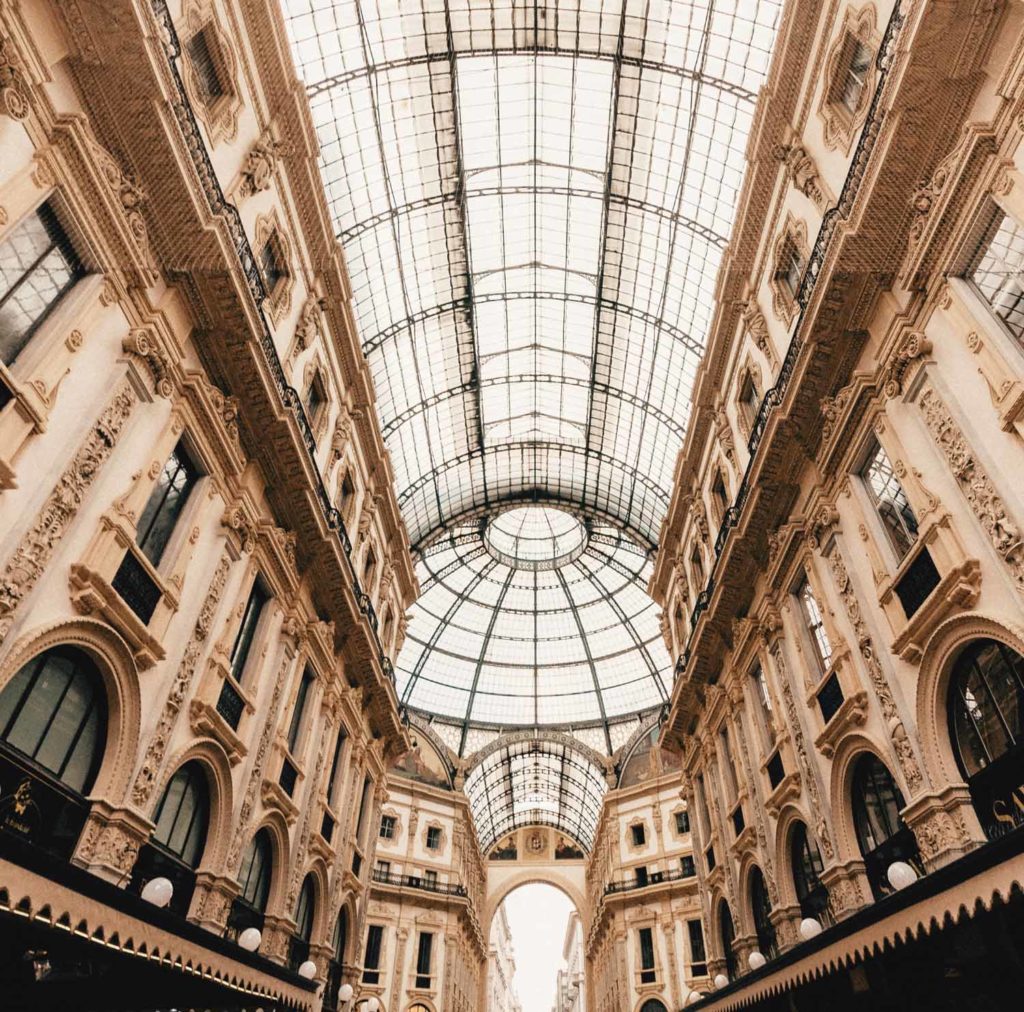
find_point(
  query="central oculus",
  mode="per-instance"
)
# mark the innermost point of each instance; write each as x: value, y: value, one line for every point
x: 535, y: 537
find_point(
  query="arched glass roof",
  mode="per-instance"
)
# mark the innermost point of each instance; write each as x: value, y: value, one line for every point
x: 538, y: 781
x: 553, y: 629
x: 533, y: 200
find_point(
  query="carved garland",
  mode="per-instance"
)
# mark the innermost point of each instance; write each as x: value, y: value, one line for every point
x: 800, y: 747
x: 894, y: 723
x: 985, y: 502
x: 33, y: 553
x: 148, y: 773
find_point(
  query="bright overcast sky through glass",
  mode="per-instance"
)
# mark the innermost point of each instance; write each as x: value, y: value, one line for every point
x: 537, y: 916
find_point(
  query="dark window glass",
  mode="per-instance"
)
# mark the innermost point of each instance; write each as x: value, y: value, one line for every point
x: 765, y: 716
x: 200, y: 50
x: 37, y: 266
x: 749, y: 401
x: 815, y: 625
x: 364, y: 809
x: 641, y: 876
x: 682, y: 823
x: 876, y: 803
x: 336, y: 966
x: 314, y: 400
x: 856, y: 63
x: 184, y: 814
x: 698, y: 955
x: 423, y: 953
x: 761, y: 907
x: 304, y: 911
x: 433, y: 838
x: 639, y: 835
x: 647, y: 974
x: 727, y: 936
x: 273, y: 269
x: 247, y: 629
x: 997, y: 273
x: 254, y: 876
x: 347, y: 497
x: 298, y: 711
x: 890, y: 500
x: 807, y: 865
x: 687, y: 867
x: 988, y: 703
x: 371, y: 962
x: 790, y: 269
x: 332, y: 781
x: 387, y: 827
x: 165, y: 504
x: 54, y: 712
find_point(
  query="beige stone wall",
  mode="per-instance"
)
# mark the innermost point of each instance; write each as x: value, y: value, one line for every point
x: 893, y: 345
x: 163, y: 340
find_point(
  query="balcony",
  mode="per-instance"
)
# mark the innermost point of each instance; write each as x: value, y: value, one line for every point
x: 652, y: 879
x: 417, y: 882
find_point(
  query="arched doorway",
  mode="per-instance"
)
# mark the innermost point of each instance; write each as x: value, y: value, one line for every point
x: 536, y: 955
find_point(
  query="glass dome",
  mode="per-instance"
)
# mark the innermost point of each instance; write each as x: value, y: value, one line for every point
x: 533, y: 618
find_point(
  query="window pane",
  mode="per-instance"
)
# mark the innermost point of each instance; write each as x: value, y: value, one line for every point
x: 815, y: 625
x: 998, y: 273
x: 165, y: 504
x: 36, y: 266
x: 890, y: 500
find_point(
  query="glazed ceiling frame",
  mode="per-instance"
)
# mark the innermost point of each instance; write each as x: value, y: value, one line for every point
x: 539, y: 781
x: 542, y: 364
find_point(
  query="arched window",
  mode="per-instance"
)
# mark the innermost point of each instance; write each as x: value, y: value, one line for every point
x: 761, y: 907
x: 176, y: 847
x: 881, y: 833
x: 986, y: 697
x: 728, y: 936
x: 339, y: 943
x: 805, y: 859
x: 183, y: 815
x: 299, y: 951
x: 54, y: 712
x: 652, y: 1005
x: 254, y: 877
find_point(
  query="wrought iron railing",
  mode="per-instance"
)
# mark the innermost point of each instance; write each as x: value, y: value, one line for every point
x: 652, y: 878
x: 418, y: 882
x: 774, y: 395
x: 220, y: 206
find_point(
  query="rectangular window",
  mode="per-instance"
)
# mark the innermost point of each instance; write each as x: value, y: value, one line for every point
x: 790, y: 269
x: 728, y: 766
x: 434, y: 838
x: 856, y: 61
x: 315, y: 400
x: 298, y: 711
x: 270, y: 262
x: 719, y: 497
x: 371, y: 962
x: 333, y: 782
x: 682, y: 823
x: 423, y: 954
x: 639, y: 835
x: 165, y: 503
x: 687, y: 867
x: 815, y: 625
x: 387, y: 827
x: 364, y: 811
x: 258, y: 597
x: 702, y: 810
x: 37, y: 266
x: 382, y: 870
x: 698, y: 957
x: 998, y: 269
x: 647, y: 974
x: 749, y: 402
x: 641, y: 876
x: 889, y: 500
x: 430, y: 878
x: 763, y: 704
x: 201, y: 54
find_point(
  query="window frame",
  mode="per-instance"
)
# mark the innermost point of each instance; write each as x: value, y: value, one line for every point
x: 197, y: 777
x: 824, y: 658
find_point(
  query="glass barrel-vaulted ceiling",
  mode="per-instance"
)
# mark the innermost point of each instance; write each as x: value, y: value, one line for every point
x: 533, y: 199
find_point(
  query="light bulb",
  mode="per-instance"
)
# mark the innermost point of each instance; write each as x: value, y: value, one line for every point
x: 308, y: 969
x: 250, y: 939
x: 809, y: 928
x: 372, y: 1005
x: 345, y: 992
x: 721, y: 980
x: 900, y: 875
x: 756, y: 960
x: 158, y: 891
